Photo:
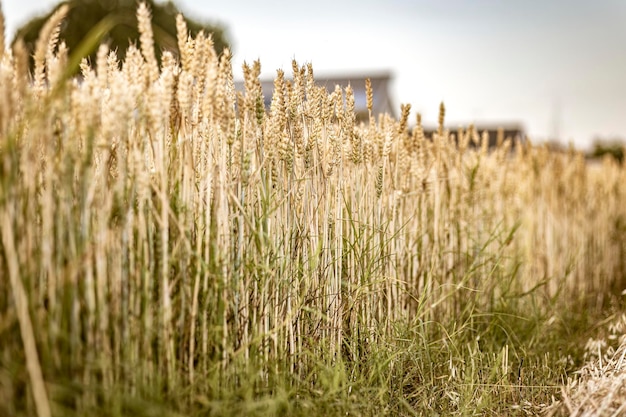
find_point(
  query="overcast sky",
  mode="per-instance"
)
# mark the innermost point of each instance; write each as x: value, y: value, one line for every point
x: 556, y: 66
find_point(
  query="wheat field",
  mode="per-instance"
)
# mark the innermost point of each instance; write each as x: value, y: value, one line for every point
x: 171, y: 247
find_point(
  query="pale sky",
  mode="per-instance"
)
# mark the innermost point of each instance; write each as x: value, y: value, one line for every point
x: 556, y: 66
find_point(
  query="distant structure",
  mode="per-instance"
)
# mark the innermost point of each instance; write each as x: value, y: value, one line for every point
x: 380, y: 87
x: 513, y: 131
x: 383, y: 103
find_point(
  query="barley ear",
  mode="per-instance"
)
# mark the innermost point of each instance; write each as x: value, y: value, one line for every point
x: 182, y: 35
x: 310, y: 80
x: 350, y: 124
x: 278, y: 108
x: 369, y: 95
x: 442, y: 116
x: 46, y: 41
x: 484, y: 143
x: 500, y: 137
x: 405, y: 110
x: 21, y: 73
x: 146, y: 38
x: 414, y: 133
x: 380, y: 179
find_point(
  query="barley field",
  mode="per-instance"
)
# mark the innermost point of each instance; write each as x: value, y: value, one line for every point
x: 169, y: 247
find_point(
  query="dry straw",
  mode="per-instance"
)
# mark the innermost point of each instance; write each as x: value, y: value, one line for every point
x: 167, y: 230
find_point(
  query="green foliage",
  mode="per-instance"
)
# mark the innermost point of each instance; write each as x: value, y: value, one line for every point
x: 613, y: 148
x: 85, y: 14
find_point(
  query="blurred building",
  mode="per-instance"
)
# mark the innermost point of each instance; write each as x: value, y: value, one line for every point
x: 381, y: 83
x: 512, y: 131
x: 383, y: 103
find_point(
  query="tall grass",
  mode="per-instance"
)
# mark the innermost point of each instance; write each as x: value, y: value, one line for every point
x: 169, y: 245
